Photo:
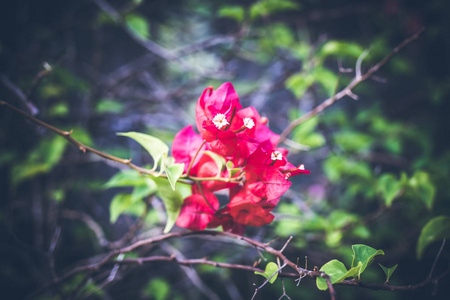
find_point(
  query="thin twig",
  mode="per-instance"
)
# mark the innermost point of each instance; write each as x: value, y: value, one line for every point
x: 347, y: 91
x: 21, y: 96
x: 436, y: 259
x: 94, y: 226
x: 152, y: 46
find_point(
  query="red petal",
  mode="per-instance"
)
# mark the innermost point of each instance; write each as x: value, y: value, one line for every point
x: 195, y: 213
x: 185, y: 145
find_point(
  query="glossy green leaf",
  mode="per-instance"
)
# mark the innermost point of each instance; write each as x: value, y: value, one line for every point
x: 271, y: 269
x: 172, y: 198
x: 173, y: 172
x: 138, y: 25
x: 365, y: 255
x: 154, y: 146
x: 388, y: 271
x: 435, y: 230
x: 335, y: 269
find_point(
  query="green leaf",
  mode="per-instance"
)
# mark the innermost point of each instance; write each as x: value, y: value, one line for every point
x: 235, y: 12
x: 173, y: 171
x: 335, y: 269
x: 142, y: 191
x: 299, y: 83
x: 138, y: 25
x: 158, y: 289
x: 123, y: 203
x: 219, y: 160
x: 271, y: 269
x: 436, y: 229
x: 40, y: 160
x: 266, y: 7
x: 388, y: 271
x: 305, y: 134
x: 389, y: 187
x: 126, y: 178
x: 353, y: 141
x: 109, y: 106
x: 154, y: 146
x: 172, y: 198
x: 365, y: 255
x: 336, y: 167
x: 423, y: 189
x: 340, y: 49
x: 326, y: 78
x: 60, y: 109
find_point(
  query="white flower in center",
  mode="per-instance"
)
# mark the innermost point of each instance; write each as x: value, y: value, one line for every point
x: 248, y: 122
x: 276, y: 155
x: 220, y: 121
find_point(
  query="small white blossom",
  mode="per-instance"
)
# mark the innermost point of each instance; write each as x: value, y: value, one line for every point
x: 248, y: 122
x: 276, y: 155
x: 220, y: 121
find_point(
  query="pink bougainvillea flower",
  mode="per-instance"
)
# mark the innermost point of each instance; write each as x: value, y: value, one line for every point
x: 217, y: 106
x: 207, y: 168
x: 259, y: 131
x: 290, y: 170
x: 224, y: 219
x: 263, y: 176
x: 221, y: 142
x: 185, y: 146
x: 196, y: 213
x: 250, y: 214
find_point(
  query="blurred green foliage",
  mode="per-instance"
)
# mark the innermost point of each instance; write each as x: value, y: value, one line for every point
x: 379, y: 165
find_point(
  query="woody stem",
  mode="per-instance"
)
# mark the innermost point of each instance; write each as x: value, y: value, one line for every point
x: 204, y: 197
x: 193, y: 159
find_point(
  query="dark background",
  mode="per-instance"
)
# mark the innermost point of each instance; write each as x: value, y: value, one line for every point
x: 95, y: 61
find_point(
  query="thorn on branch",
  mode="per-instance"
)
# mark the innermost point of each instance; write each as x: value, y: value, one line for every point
x: 67, y: 133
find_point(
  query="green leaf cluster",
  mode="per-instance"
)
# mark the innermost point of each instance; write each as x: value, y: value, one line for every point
x: 131, y: 203
x: 171, y: 192
x: 363, y: 257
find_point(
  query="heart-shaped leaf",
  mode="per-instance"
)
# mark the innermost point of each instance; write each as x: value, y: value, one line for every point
x: 271, y: 269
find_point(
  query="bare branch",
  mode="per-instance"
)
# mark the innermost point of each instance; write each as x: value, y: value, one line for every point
x: 347, y: 91
x: 19, y: 94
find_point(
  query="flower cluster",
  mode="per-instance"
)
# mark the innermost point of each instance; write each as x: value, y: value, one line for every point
x: 256, y: 172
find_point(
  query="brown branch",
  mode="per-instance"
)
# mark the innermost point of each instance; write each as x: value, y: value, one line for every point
x: 299, y: 272
x: 155, y: 48
x: 393, y: 288
x: 82, y: 147
x: 347, y: 91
